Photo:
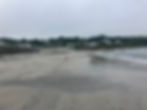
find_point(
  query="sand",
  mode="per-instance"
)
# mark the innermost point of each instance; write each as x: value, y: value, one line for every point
x: 70, y: 80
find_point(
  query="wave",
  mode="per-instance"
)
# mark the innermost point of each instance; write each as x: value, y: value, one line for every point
x: 135, y: 55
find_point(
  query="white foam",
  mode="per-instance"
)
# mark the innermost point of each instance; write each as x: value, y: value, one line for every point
x: 137, y: 55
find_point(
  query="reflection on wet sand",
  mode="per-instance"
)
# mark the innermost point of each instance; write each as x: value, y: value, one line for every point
x: 70, y: 80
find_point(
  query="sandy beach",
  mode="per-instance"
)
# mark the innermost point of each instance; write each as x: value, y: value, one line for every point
x: 70, y: 80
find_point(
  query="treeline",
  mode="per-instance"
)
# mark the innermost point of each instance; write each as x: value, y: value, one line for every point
x: 100, y: 41
x: 13, y: 46
x: 93, y: 42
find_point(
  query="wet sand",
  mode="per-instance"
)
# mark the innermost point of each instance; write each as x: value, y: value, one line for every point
x: 69, y: 80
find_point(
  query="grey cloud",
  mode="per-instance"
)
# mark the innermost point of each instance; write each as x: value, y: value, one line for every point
x: 72, y: 17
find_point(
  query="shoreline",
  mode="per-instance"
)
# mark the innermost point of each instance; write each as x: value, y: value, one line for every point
x: 65, y: 80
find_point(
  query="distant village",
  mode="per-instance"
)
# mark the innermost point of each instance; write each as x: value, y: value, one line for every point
x: 8, y: 45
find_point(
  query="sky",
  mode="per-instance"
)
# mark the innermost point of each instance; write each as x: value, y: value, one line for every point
x: 44, y: 18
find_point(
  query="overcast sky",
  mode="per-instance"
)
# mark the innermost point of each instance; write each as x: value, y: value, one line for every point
x: 72, y: 17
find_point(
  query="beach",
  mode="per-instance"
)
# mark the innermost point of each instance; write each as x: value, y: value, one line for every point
x: 63, y: 79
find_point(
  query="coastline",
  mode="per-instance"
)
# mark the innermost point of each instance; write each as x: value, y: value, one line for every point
x: 65, y: 79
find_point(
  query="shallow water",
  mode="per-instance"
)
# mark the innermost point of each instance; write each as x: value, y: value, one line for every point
x: 70, y: 80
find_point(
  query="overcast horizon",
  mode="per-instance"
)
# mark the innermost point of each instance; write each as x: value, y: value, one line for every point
x: 44, y: 18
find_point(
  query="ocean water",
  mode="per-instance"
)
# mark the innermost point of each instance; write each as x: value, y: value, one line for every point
x: 136, y: 56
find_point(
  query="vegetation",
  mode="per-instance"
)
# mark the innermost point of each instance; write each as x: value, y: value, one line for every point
x: 8, y: 45
x: 12, y: 46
